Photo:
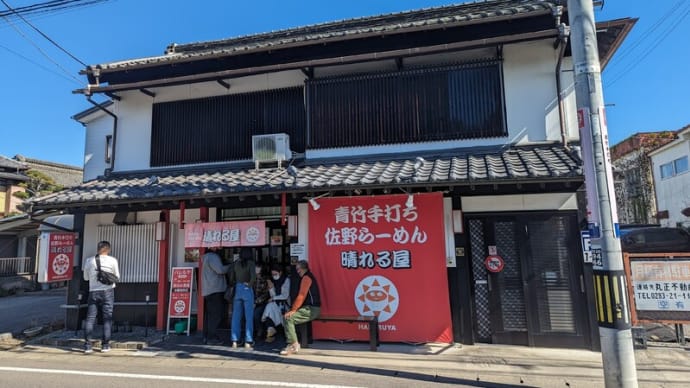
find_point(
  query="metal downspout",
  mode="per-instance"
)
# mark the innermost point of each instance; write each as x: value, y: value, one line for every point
x: 563, y: 34
x: 112, y: 157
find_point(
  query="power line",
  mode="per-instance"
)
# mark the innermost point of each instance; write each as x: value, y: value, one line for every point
x: 659, y: 22
x: 37, y: 64
x: 50, y: 6
x: 664, y: 34
x: 43, y: 35
x: 19, y: 31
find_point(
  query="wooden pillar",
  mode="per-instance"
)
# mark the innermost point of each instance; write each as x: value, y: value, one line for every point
x: 200, y: 297
x: 162, y: 299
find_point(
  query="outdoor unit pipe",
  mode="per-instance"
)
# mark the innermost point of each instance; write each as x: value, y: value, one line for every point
x: 114, y: 116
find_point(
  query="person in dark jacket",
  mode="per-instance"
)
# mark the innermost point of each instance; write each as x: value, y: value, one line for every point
x: 242, y: 277
x: 306, y: 307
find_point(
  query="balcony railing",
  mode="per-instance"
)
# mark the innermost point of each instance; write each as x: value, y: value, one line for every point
x: 12, y: 266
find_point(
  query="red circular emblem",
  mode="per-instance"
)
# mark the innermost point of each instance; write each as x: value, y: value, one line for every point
x: 494, y: 263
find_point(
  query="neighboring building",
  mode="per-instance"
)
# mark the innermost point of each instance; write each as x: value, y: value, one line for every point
x: 635, y: 184
x: 457, y: 101
x: 64, y: 175
x: 12, y: 173
x: 672, y: 180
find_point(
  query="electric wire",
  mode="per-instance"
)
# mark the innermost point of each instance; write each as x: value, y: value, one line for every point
x: 37, y: 64
x: 44, y: 35
x: 40, y: 50
x: 649, y: 49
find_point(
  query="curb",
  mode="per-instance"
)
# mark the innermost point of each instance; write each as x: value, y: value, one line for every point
x: 75, y: 343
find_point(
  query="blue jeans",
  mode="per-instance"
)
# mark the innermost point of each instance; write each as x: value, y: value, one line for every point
x: 103, y: 300
x: 243, y: 306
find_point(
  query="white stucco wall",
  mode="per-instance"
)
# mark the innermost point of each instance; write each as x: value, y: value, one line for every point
x: 94, y: 147
x: 530, y: 96
x: 672, y: 193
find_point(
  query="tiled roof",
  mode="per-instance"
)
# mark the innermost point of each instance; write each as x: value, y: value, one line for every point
x: 465, y: 166
x: 347, y: 29
x: 63, y: 174
x: 7, y: 163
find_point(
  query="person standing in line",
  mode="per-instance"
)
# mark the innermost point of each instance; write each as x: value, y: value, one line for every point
x: 306, y: 307
x: 242, y: 277
x: 213, y: 286
x: 261, y: 297
x: 101, y: 296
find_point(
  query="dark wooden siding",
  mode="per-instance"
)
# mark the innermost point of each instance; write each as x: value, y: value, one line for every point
x: 217, y: 129
x: 458, y: 102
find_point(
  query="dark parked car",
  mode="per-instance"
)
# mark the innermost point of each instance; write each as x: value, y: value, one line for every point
x: 655, y: 240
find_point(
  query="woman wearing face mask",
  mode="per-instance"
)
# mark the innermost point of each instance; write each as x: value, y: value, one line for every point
x: 279, y: 290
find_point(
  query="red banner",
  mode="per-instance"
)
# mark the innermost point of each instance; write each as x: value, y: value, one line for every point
x: 181, y: 292
x: 225, y: 234
x: 383, y: 256
x: 60, y: 256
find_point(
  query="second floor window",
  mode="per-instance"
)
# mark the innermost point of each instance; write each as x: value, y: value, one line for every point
x: 448, y: 103
x: 674, y: 168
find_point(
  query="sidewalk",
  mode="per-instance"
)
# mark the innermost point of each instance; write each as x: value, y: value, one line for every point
x: 477, y: 365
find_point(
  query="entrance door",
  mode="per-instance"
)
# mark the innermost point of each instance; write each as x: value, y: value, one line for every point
x: 536, y: 299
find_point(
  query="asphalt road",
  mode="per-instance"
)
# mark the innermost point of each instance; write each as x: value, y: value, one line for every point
x: 20, y: 312
x: 73, y: 369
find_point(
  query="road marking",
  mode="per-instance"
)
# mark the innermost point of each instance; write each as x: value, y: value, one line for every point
x: 172, y: 378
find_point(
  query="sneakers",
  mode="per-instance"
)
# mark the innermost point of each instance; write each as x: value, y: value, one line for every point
x: 88, y: 348
x: 247, y: 345
x: 105, y: 348
x: 234, y: 344
x: 290, y: 349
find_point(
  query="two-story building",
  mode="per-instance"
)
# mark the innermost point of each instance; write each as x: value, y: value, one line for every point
x: 672, y: 180
x: 635, y: 195
x: 461, y: 118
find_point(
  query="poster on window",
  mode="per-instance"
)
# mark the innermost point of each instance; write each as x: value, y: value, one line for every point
x: 60, y: 256
x: 382, y: 256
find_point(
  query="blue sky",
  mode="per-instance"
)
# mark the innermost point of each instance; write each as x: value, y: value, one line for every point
x: 649, y: 84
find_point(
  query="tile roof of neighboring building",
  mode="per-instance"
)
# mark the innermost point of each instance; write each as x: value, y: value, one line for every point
x: 7, y: 163
x: 437, y: 17
x: 463, y: 166
x: 63, y: 174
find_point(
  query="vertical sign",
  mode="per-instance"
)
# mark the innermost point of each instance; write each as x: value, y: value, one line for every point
x: 181, y: 283
x: 60, y: 256
x: 382, y: 256
x: 593, y: 219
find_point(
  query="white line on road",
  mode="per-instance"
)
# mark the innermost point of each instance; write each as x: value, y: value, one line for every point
x: 170, y: 377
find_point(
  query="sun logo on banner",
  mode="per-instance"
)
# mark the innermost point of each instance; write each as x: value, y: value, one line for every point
x: 376, y: 295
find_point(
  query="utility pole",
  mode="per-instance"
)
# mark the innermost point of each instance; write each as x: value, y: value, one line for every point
x: 609, y: 277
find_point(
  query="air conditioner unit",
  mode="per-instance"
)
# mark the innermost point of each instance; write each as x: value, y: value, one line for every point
x: 271, y: 148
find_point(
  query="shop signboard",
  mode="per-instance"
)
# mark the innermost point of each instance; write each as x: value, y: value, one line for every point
x: 225, y: 234
x: 382, y: 256
x: 56, y: 257
x: 181, y: 283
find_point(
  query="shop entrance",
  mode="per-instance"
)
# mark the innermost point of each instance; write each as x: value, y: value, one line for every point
x: 536, y: 296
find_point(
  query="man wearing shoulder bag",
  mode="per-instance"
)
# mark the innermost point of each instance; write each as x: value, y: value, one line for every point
x: 102, y: 272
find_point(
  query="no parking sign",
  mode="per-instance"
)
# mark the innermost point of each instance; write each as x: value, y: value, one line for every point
x: 494, y: 263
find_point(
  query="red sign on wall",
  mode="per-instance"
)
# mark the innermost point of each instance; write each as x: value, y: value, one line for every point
x: 60, y: 256
x: 378, y: 256
x: 494, y: 263
x: 181, y: 292
x: 225, y: 234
